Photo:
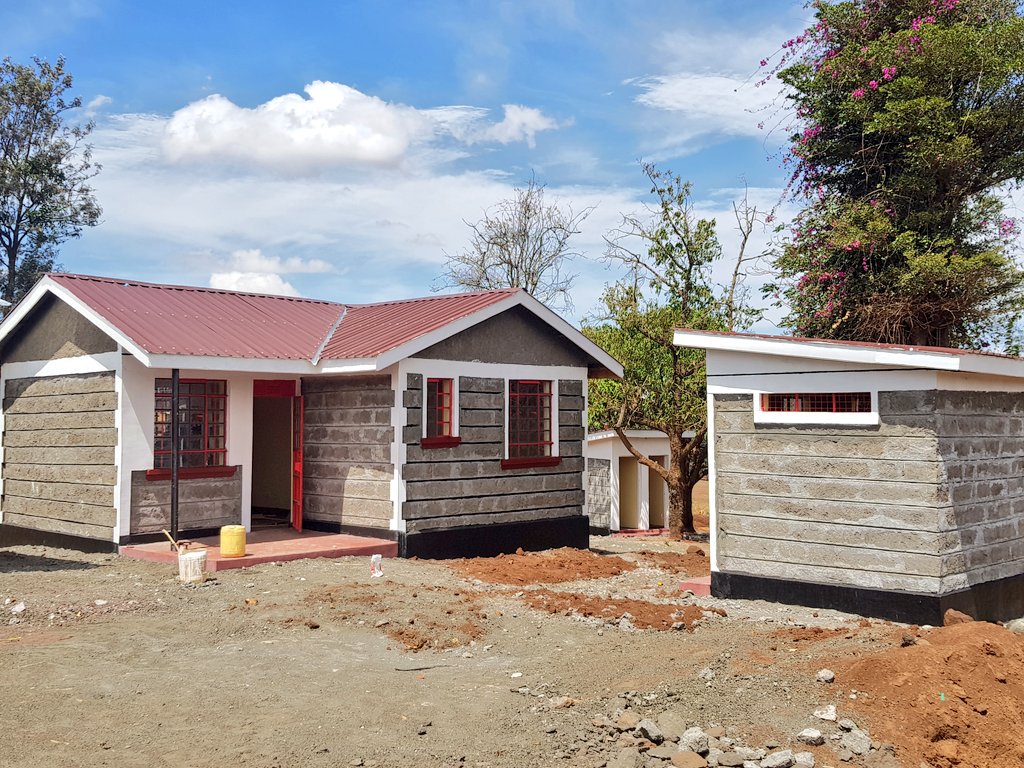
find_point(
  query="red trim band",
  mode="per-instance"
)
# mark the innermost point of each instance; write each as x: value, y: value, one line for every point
x: 540, y: 461
x: 191, y: 473
x: 441, y: 441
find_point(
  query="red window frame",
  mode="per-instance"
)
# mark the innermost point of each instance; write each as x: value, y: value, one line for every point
x: 439, y: 402
x: 203, y: 426
x: 530, y: 422
x: 816, y: 402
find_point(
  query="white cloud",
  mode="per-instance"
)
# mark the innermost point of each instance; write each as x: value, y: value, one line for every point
x: 252, y: 282
x: 96, y: 103
x: 254, y: 260
x: 520, y: 124
x: 332, y: 125
x: 710, y: 102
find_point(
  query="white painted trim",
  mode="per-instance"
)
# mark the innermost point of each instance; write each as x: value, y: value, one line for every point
x: 236, y: 364
x: 762, y: 416
x: 120, y: 518
x: 643, y: 496
x: 712, y: 485
x: 455, y: 404
x: 398, y: 447
x: 632, y: 434
x: 64, y: 366
x: 454, y: 368
x: 953, y: 360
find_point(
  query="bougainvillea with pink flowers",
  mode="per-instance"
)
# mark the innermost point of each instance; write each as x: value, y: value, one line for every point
x: 909, y: 130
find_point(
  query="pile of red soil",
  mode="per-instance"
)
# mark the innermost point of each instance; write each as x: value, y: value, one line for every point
x: 551, y: 567
x: 688, y: 564
x: 642, y: 614
x: 954, y: 699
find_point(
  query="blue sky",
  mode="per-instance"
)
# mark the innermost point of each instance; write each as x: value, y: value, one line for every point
x: 334, y: 149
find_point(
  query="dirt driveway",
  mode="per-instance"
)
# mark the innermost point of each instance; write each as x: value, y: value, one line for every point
x: 517, y: 661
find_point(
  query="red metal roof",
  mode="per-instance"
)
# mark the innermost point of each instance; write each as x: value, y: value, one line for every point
x: 183, y: 320
x: 367, y: 330
x: 865, y: 344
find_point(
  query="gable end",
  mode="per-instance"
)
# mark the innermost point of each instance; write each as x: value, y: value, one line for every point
x: 52, y: 331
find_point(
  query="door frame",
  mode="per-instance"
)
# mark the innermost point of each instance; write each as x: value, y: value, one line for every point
x: 289, y: 389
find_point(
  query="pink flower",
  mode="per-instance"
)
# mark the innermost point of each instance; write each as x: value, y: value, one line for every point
x: 858, y: 94
x: 873, y: 85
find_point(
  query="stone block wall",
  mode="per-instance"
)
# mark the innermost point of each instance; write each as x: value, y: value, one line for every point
x: 347, y: 467
x: 466, y: 485
x: 59, y: 439
x: 203, y: 502
x: 599, y: 493
x: 981, y: 444
x: 855, y: 506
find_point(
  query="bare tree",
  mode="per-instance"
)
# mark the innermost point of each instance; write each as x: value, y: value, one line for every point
x: 522, y: 242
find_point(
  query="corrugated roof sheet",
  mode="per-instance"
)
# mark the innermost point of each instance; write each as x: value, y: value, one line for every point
x: 367, y: 330
x: 183, y: 320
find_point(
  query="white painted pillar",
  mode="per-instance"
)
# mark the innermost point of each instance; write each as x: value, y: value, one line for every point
x: 643, y: 491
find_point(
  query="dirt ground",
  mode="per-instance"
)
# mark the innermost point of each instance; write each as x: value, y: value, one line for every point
x: 498, y: 662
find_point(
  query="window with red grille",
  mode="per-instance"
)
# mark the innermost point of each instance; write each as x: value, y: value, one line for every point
x: 202, y: 423
x: 529, y: 419
x: 817, y: 402
x: 439, y: 408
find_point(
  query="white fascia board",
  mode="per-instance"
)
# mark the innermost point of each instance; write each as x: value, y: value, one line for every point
x: 817, y: 350
x: 355, y: 365
x: 237, y: 364
x: 637, y: 434
x: 523, y: 299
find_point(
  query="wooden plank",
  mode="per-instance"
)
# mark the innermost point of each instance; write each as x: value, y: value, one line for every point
x: 69, y: 511
x: 95, y: 401
x: 492, y: 486
x: 33, y: 421
x: 61, y: 438
x: 436, y: 523
x: 84, y: 530
x: 74, y: 492
x: 60, y: 385
x: 94, y: 474
x: 59, y: 455
x: 491, y: 504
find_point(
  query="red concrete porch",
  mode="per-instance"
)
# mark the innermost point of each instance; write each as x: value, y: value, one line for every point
x: 267, y: 545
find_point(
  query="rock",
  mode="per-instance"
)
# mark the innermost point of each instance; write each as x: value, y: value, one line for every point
x: 648, y: 729
x: 627, y: 721
x: 707, y: 674
x: 714, y: 753
x: 730, y: 760
x: 811, y: 736
x: 663, y: 752
x: 1016, y: 626
x: 881, y: 760
x: 671, y: 725
x: 715, y: 732
x: 847, y: 724
x: 694, y: 740
x: 856, y: 741
x: 693, y: 549
x: 626, y: 758
x: 750, y: 754
x: 826, y: 713
x: 100, y: 603
x: 562, y: 702
x: 953, y: 616
x: 825, y: 676
x: 803, y: 760
x: 18, y: 607
x: 688, y: 760
x: 783, y: 759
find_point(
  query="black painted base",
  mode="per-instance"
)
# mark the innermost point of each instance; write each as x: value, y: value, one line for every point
x: 497, y: 539
x: 13, y: 535
x: 999, y: 600
x: 354, y: 530
x: 598, y: 530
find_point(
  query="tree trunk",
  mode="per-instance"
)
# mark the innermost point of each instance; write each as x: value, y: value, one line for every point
x: 680, y: 507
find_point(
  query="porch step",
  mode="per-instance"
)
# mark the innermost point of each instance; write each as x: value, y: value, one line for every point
x: 699, y: 585
x: 268, y: 546
x: 631, y: 532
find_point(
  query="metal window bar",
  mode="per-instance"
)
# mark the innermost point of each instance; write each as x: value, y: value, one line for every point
x: 816, y: 402
x: 202, y: 423
x: 529, y: 421
x: 439, y: 407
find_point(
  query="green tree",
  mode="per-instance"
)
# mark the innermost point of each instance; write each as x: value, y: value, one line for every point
x: 669, y: 253
x: 45, y: 168
x: 910, y: 125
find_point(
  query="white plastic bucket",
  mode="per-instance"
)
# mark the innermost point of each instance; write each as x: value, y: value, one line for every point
x: 192, y: 566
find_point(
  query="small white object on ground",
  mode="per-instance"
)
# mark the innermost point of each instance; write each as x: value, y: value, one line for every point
x: 375, y: 566
x: 825, y: 676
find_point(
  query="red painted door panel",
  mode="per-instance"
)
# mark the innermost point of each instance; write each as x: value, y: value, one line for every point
x: 297, y: 424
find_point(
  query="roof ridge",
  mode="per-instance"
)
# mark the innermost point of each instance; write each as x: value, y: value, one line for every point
x: 439, y: 297
x: 60, y: 276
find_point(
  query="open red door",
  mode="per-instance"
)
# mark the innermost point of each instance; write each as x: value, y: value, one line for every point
x: 297, y: 424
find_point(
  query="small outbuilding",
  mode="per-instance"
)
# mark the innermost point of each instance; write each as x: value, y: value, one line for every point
x: 622, y: 493
x: 880, y: 479
x: 452, y: 424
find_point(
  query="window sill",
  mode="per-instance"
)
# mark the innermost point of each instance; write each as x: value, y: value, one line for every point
x: 540, y: 461
x: 191, y: 473
x: 448, y: 441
